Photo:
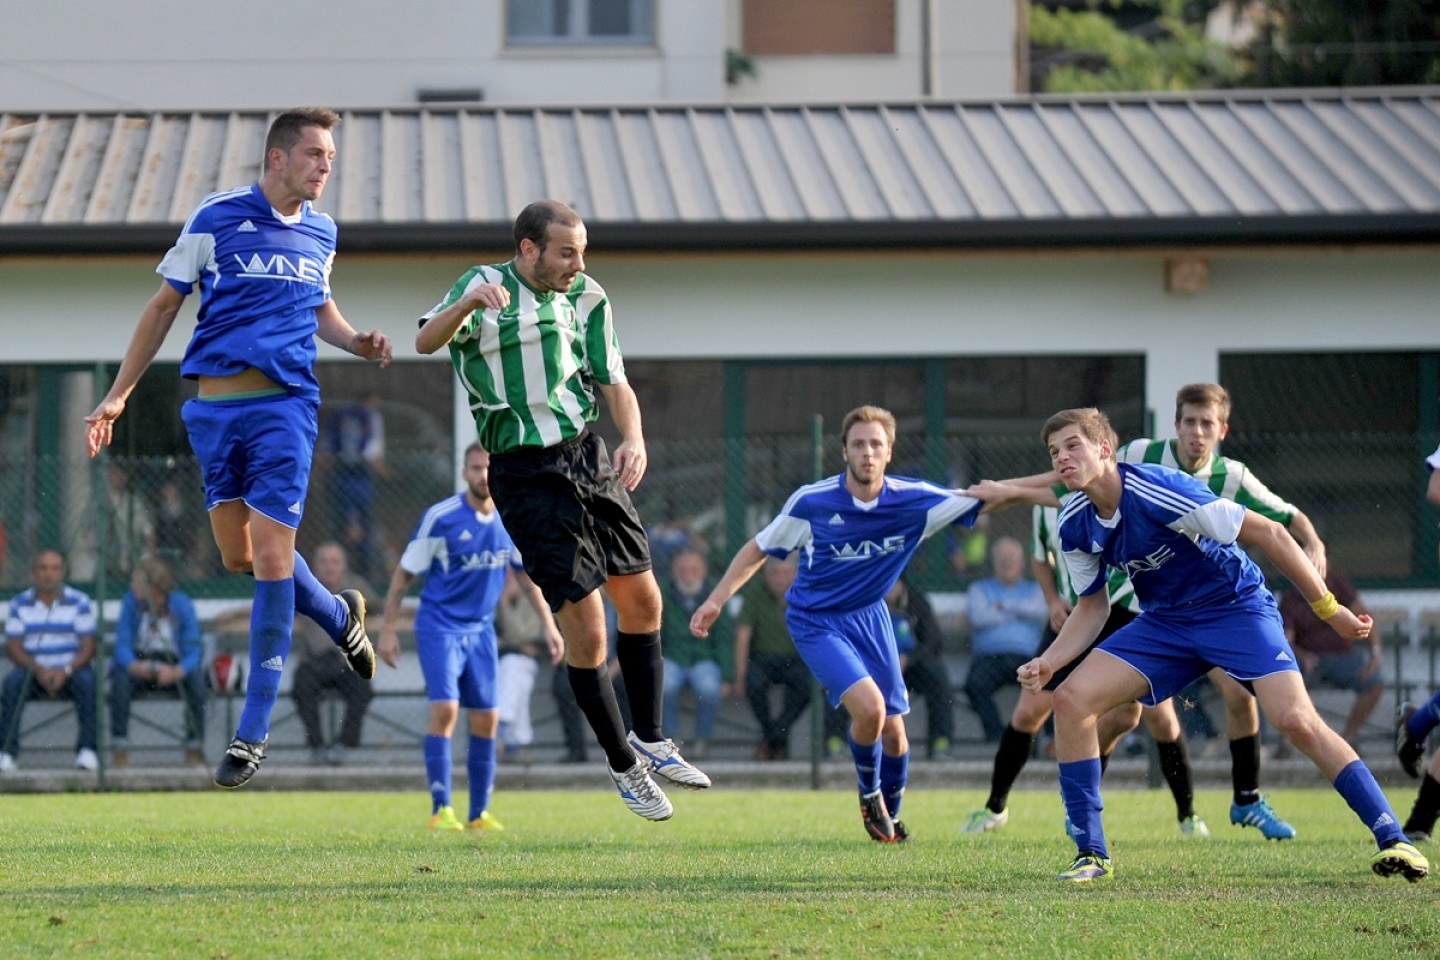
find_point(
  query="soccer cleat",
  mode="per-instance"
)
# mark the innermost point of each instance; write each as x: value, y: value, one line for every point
x: 664, y: 759
x: 640, y: 793
x: 444, y: 819
x: 1193, y: 826
x: 359, y: 651
x: 85, y: 759
x: 985, y: 821
x: 1087, y: 867
x: 239, y: 764
x: 1260, y: 815
x: 1407, y: 748
x: 876, y: 818
x: 1418, y: 836
x: 485, y: 822
x: 902, y: 835
x: 1402, y: 859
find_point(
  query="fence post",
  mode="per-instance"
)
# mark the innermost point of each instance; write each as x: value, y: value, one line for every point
x: 817, y: 696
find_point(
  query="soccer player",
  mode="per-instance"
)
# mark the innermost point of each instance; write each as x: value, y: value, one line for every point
x: 261, y: 256
x: 532, y: 340
x: 855, y: 532
x: 1204, y: 603
x: 464, y: 553
x: 1413, y: 725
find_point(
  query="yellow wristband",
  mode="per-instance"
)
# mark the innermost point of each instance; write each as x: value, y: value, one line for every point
x: 1326, y: 607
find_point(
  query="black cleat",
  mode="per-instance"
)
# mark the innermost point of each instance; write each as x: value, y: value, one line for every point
x: 901, y: 834
x: 239, y: 764
x: 1407, y: 748
x: 876, y: 818
x: 359, y: 651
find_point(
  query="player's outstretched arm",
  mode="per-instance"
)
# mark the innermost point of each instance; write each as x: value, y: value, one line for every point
x: 1279, y: 546
x: 334, y: 329
x: 388, y: 648
x: 749, y: 559
x: 155, y: 322
x: 999, y: 494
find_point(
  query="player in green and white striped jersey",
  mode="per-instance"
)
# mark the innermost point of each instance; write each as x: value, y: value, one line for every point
x: 532, y: 341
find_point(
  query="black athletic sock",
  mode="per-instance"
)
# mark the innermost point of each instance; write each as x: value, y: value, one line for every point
x: 643, y: 668
x: 1104, y: 763
x: 1427, y: 807
x: 595, y: 696
x: 1010, y: 759
x: 1175, y: 767
x: 1245, y: 768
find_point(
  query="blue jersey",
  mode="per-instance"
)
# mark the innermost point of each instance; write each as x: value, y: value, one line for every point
x: 463, y: 555
x: 852, y: 552
x: 262, y: 277
x: 1171, y: 535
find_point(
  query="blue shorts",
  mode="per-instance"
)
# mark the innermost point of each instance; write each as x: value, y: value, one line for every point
x: 460, y: 667
x: 256, y: 449
x: 1173, y: 649
x: 841, y: 649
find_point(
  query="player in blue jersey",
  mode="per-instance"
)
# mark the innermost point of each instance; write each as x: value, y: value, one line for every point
x: 261, y: 256
x: 855, y: 532
x: 1204, y: 604
x: 463, y: 552
x: 1413, y: 725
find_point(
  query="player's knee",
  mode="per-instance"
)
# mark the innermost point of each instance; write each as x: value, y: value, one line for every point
x: 1072, y: 705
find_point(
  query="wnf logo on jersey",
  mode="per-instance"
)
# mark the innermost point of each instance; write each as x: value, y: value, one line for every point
x: 1149, y: 563
x: 277, y: 266
x: 486, y: 560
x: 866, y: 549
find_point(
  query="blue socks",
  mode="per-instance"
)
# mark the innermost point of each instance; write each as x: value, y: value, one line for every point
x: 894, y: 771
x: 867, y: 765
x: 1357, y: 785
x: 480, y: 764
x: 316, y: 602
x: 1080, y: 786
x: 437, y: 770
x: 271, y: 617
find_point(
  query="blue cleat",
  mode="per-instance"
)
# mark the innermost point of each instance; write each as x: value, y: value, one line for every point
x: 1261, y: 816
x: 1087, y: 867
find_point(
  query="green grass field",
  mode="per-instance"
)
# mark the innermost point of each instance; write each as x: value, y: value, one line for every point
x: 736, y: 873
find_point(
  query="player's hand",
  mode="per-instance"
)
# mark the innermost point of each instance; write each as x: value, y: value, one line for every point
x: 1034, y: 675
x: 490, y: 296
x: 388, y: 649
x: 1059, y: 611
x: 373, y: 345
x: 630, y: 462
x: 101, y: 424
x: 1349, y: 626
x: 704, y: 618
x: 555, y: 643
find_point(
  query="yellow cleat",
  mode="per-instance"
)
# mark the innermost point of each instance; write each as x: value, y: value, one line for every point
x: 1088, y: 867
x: 1403, y: 860
x: 445, y: 819
x: 486, y: 822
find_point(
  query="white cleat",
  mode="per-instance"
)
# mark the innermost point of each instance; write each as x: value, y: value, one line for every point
x: 984, y: 821
x: 640, y: 793
x: 665, y: 760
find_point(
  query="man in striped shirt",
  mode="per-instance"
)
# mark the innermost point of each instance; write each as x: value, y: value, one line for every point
x: 532, y: 341
x: 50, y: 634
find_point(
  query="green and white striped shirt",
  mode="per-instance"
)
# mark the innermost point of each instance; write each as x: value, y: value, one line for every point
x: 1226, y: 478
x: 531, y: 368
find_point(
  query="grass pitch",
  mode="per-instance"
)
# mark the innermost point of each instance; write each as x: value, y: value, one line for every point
x: 736, y: 873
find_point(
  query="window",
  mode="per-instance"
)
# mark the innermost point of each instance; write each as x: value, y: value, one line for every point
x: 580, y: 22
x: 818, y: 27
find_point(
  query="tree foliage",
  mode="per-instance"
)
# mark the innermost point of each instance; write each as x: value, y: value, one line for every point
x: 1090, y: 49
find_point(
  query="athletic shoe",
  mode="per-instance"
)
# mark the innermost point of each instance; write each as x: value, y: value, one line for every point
x: 1260, y: 815
x: 1193, y: 826
x: 7, y: 763
x: 1418, y: 836
x: 1087, y: 867
x: 358, y: 650
x: 984, y: 821
x: 239, y: 764
x: 445, y: 820
x: 901, y: 834
x: 876, y: 818
x: 1407, y: 748
x: 485, y: 822
x: 85, y: 759
x: 1402, y: 859
x: 665, y: 759
x: 640, y: 793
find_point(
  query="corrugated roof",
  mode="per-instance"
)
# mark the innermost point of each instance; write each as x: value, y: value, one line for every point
x: 1309, y: 166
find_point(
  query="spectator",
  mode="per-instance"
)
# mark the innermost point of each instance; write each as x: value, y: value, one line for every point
x: 520, y: 635
x: 157, y: 650
x: 700, y: 663
x: 765, y: 658
x: 921, y: 644
x: 50, y: 635
x: 131, y: 534
x: 1007, y: 614
x: 1326, y: 657
x: 174, y: 525
x: 356, y: 438
x: 320, y: 665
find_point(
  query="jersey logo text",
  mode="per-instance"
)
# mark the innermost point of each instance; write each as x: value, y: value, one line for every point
x: 866, y: 549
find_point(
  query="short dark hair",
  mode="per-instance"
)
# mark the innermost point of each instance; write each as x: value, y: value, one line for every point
x: 285, y: 129
x: 1093, y: 424
x: 534, y: 221
x: 1204, y: 395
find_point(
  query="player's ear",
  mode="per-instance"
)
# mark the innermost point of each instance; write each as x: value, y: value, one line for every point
x: 1224, y: 429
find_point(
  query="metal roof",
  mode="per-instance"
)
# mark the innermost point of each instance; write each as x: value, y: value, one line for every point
x: 1270, y: 166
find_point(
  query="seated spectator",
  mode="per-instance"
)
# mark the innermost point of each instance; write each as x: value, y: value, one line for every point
x: 1325, y: 657
x: 572, y: 722
x: 922, y: 659
x: 520, y: 636
x: 701, y: 663
x: 320, y: 665
x: 1007, y: 614
x: 157, y: 650
x: 50, y: 635
x: 765, y: 658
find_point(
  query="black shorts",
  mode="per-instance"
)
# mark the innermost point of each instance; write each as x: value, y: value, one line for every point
x: 570, y: 516
x: 1118, y: 618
